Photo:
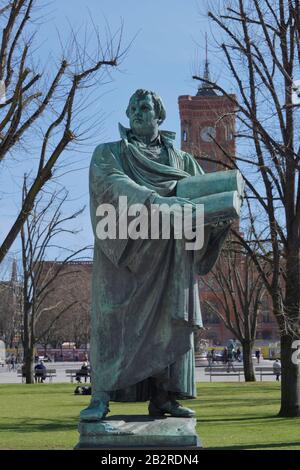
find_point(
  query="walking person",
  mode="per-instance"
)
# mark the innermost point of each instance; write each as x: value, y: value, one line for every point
x: 257, y: 355
x: 13, y: 362
x: 277, y: 369
x: 213, y: 355
x: 225, y: 355
x: 230, y: 359
x: 209, y: 358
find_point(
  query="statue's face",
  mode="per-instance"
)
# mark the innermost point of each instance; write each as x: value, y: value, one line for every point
x: 142, y: 116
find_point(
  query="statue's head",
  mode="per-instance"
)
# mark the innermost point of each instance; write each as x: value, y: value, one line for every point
x: 145, y: 112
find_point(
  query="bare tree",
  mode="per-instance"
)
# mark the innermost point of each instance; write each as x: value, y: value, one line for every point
x: 238, y: 289
x: 79, y: 328
x: 42, y: 228
x: 72, y: 285
x: 261, y: 50
x: 42, y: 110
x: 10, y: 307
x: 9, y: 313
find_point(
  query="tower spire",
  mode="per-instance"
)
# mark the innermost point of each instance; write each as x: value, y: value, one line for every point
x: 205, y: 89
x: 206, y: 68
x: 14, y: 275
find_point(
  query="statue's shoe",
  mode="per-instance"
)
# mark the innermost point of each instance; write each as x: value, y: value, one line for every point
x: 96, y: 411
x: 172, y: 408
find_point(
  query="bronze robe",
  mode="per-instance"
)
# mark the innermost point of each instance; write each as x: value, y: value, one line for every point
x: 145, y: 299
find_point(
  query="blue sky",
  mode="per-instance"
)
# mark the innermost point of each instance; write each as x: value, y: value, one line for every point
x: 161, y: 57
x: 168, y: 47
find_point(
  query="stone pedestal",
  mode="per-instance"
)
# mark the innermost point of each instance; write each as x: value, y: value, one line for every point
x: 144, y: 432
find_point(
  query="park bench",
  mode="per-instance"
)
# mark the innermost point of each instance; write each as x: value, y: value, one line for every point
x: 224, y: 371
x: 264, y: 371
x: 48, y: 373
x: 199, y: 359
x: 73, y: 373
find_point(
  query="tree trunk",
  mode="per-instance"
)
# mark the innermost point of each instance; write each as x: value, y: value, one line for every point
x: 290, y: 371
x: 248, y: 362
x: 28, y: 364
x: 290, y: 380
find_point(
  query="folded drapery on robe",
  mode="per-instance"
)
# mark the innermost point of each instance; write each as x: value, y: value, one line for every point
x: 145, y: 299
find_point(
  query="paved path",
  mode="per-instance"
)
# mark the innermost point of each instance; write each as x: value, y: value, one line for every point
x: 201, y: 377
x: 11, y: 377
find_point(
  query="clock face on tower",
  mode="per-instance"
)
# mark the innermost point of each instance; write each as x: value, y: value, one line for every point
x: 208, y: 134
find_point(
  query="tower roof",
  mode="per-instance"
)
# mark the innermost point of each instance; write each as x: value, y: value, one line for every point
x: 205, y: 89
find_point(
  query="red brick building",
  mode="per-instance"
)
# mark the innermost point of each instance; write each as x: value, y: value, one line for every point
x: 205, y: 119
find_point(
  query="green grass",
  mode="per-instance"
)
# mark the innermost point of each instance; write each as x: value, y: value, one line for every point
x: 229, y: 416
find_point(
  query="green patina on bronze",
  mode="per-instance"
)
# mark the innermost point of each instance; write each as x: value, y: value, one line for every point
x: 145, y: 299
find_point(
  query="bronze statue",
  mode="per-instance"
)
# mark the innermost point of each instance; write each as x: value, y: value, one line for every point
x: 145, y: 299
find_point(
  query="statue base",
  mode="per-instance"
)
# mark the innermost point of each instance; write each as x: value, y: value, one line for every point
x: 139, y: 432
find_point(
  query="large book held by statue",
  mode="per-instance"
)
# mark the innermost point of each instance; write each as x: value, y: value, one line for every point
x: 220, y: 207
x: 221, y: 192
x: 193, y: 187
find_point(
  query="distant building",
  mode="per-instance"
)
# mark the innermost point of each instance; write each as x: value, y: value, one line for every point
x: 205, y: 119
x: 11, y: 309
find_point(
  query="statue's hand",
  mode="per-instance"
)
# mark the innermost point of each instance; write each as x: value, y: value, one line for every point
x: 178, y: 207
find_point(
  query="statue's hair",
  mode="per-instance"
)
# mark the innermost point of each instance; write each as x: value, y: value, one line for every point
x: 160, y: 110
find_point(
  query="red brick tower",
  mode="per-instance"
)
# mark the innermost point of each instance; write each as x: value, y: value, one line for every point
x: 207, y: 122
x: 205, y: 119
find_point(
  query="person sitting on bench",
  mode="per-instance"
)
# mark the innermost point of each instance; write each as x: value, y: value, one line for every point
x: 83, y: 372
x: 40, y: 372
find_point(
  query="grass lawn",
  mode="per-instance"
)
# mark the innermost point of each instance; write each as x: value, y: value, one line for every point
x: 229, y: 415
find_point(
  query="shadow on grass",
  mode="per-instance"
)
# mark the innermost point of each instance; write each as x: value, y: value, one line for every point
x: 236, y: 402
x: 240, y: 387
x: 278, y: 445
x: 34, y: 390
x: 37, y: 425
x: 226, y: 420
